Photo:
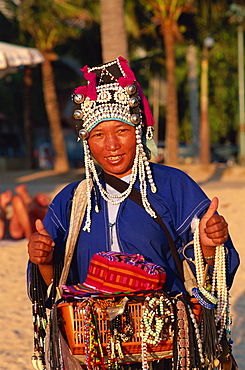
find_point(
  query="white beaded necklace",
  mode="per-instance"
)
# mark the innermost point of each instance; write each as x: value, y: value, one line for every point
x: 199, y: 262
x: 140, y: 167
x: 219, y: 287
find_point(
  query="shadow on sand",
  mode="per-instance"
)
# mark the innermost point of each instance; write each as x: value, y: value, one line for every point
x: 216, y: 175
x: 238, y: 330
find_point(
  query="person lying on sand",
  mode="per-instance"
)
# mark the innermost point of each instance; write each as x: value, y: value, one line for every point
x: 19, y: 212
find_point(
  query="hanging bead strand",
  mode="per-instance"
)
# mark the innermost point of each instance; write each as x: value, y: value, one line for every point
x: 88, y: 190
x: 143, y: 189
x: 199, y: 261
x: 220, y: 288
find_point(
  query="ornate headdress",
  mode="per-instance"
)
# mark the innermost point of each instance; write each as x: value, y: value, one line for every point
x: 112, y: 93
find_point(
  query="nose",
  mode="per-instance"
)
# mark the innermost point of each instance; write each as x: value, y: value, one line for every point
x: 112, y: 143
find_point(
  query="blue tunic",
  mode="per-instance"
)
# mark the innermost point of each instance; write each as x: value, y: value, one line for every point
x: 177, y: 200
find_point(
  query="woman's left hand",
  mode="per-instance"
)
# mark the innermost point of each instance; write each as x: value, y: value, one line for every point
x: 213, y: 228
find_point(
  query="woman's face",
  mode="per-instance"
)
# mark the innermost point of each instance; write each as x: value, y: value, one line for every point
x: 113, y: 145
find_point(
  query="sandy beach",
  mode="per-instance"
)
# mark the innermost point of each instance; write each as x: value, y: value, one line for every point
x: 16, y: 334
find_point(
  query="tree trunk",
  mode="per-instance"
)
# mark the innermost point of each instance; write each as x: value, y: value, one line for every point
x: 28, y: 128
x: 156, y: 104
x: 171, y: 138
x: 204, y: 122
x: 191, y: 57
x: 240, y: 40
x: 61, y: 163
x: 112, y: 28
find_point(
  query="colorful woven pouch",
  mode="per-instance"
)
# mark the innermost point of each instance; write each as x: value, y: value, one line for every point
x: 111, y: 272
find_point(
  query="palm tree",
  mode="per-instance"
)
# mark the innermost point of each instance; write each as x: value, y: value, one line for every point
x: 51, y: 23
x: 237, y: 16
x: 191, y: 59
x: 166, y: 14
x: 113, y: 32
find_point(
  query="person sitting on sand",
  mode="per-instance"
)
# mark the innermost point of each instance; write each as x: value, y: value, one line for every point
x: 19, y: 212
x: 37, y: 206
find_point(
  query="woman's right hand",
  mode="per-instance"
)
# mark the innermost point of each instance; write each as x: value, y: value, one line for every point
x: 41, y: 246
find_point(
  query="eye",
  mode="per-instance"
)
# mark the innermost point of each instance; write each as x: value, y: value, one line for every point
x: 97, y: 134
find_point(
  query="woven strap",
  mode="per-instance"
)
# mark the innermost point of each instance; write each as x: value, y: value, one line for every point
x: 79, y: 203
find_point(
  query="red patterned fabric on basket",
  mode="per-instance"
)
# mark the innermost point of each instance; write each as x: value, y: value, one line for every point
x: 111, y: 272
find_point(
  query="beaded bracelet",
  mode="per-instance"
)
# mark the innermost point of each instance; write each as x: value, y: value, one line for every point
x: 209, y: 296
x: 195, y: 292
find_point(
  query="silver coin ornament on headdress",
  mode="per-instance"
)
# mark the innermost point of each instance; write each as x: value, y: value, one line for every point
x: 112, y: 93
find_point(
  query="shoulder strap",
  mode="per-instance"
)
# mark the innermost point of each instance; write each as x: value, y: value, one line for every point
x: 121, y: 186
x: 77, y: 213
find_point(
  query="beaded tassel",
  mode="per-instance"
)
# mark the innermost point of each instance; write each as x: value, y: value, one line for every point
x: 88, y: 192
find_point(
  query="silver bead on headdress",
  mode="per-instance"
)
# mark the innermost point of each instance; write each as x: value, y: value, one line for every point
x: 112, y: 93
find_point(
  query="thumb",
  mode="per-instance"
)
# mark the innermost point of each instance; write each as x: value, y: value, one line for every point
x: 212, y: 208
x: 40, y: 227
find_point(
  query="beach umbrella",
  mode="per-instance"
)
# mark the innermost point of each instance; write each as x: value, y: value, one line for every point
x: 14, y: 56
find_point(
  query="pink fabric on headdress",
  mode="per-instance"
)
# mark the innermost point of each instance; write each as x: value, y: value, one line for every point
x: 125, y: 81
x: 81, y: 90
x: 149, y: 120
x: 126, y: 69
x: 91, y: 77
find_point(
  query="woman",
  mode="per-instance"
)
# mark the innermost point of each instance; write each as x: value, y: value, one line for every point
x: 116, y: 126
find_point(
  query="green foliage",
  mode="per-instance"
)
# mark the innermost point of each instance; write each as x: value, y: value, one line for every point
x: 71, y: 28
x: 185, y: 128
x: 223, y: 82
x: 223, y: 74
x: 50, y: 23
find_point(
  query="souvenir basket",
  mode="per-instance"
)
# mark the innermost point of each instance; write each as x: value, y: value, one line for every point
x: 73, y: 319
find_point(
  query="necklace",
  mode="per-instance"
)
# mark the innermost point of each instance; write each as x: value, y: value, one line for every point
x: 141, y: 168
x: 220, y: 288
x: 218, y: 297
x: 156, y: 323
x: 156, y: 318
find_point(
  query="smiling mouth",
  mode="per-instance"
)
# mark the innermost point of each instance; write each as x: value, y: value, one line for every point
x: 114, y: 158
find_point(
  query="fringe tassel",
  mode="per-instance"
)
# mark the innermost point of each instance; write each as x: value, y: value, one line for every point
x: 210, y: 339
x: 38, y: 296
